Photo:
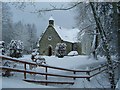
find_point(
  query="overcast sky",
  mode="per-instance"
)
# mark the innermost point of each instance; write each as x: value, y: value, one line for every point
x: 62, y: 18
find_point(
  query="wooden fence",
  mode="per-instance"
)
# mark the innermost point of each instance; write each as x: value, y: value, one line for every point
x: 88, y: 73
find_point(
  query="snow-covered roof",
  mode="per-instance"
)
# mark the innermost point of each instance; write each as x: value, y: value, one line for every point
x: 51, y: 18
x: 73, y: 53
x: 69, y: 35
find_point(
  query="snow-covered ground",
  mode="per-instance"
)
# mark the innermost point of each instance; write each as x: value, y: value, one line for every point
x: 70, y: 62
x: 14, y: 82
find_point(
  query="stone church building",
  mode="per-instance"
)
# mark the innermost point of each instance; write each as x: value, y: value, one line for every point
x: 56, y: 34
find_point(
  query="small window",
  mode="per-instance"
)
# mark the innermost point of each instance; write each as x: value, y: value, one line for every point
x: 50, y: 38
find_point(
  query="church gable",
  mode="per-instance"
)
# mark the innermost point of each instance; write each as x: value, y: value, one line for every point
x: 50, y: 34
x: 49, y: 38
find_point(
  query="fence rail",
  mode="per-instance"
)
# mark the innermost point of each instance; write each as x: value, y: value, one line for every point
x: 46, y: 66
x: 42, y: 73
x: 49, y: 81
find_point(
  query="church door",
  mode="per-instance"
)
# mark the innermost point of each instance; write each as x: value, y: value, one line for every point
x: 49, y: 51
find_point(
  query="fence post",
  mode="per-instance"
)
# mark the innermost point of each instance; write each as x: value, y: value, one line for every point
x: 88, y: 73
x: 25, y: 70
x: 46, y: 75
x: 100, y: 67
x: 74, y: 73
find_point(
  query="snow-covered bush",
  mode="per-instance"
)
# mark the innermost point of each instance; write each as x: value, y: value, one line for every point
x: 37, y: 58
x: 7, y: 63
x: 60, y: 49
x: 2, y: 47
x: 4, y: 62
x: 34, y: 53
x: 15, y: 48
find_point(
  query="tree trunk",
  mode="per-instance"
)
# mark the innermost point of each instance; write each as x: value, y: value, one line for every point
x: 105, y: 46
x: 116, y: 24
x: 118, y: 34
x: 95, y: 44
x: 119, y: 46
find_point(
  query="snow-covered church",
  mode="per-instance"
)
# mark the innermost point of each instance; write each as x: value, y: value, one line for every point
x: 56, y: 34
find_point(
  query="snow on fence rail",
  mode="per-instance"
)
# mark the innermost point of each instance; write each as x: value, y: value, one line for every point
x: 16, y: 60
x: 87, y: 76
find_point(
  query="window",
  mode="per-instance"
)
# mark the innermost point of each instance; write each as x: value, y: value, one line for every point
x: 50, y: 38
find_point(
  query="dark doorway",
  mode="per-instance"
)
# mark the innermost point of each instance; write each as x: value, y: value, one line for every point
x: 49, y: 51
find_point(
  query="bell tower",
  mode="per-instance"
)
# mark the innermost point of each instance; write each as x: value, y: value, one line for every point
x: 51, y: 21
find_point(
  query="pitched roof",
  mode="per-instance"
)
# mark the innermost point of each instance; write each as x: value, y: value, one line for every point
x: 69, y: 35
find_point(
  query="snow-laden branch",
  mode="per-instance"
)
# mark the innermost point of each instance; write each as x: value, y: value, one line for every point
x: 54, y: 8
x: 81, y: 30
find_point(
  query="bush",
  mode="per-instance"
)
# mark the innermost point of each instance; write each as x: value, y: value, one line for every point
x: 60, y: 50
x: 15, y: 48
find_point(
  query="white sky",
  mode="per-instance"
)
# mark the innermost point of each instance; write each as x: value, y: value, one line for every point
x: 62, y: 18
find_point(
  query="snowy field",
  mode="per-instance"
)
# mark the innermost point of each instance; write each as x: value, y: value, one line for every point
x: 70, y: 62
